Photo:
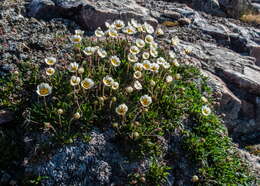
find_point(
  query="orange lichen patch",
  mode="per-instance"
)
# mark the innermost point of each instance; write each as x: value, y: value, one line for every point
x: 170, y: 23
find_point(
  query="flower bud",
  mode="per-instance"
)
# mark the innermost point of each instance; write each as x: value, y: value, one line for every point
x: 77, y: 115
x: 60, y: 111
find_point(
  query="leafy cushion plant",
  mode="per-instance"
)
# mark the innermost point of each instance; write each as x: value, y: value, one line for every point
x: 128, y: 79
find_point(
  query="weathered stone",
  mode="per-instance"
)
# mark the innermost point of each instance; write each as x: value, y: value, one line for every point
x: 255, y: 52
x: 171, y: 14
x: 90, y: 14
x: 6, y: 117
x: 184, y: 21
x: 209, y: 6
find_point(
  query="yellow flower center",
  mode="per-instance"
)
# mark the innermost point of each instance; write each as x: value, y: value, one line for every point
x: 145, y: 102
x: 44, y: 91
x: 86, y: 84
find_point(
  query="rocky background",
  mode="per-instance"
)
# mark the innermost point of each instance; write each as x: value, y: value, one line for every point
x: 226, y: 49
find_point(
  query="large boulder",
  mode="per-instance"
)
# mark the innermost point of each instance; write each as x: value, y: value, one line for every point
x: 90, y: 14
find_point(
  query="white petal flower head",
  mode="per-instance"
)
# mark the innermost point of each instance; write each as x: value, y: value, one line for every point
x: 134, y: 50
x: 102, y: 53
x: 160, y: 60
x: 148, y: 28
x: 50, y: 60
x: 73, y: 67
x: 146, y: 64
x: 44, y: 89
x: 89, y: 51
x: 169, y: 79
x: 138, y: 85
x: 115, y: 85
x: 140, y: 43
x: 138, y: 67
x: 50, y: 71
x: 205, y: 110
x: 149, y: 39
x: 108, y: 81
x: 77, y: 115
x: 132, y: 58
x: 166, y: 65
x: 112, y: 33
x: 87, y: 83
x: 172, y: 54
x: 134, y: 23
x: 154, y: 67
x: 138, y: 74
x: 99, y: 32
x: 159, y: 31
x: 76, y: 39
x: 81, y: 70
x: 153, y: 45
x: 175, y: 63
x: 146, y: 100
x: 175, y: 41
x: 121, y: 109
x: 146, y: 55
x: 154, y: 52
x: 115, y: 61
x: 129, y: 89
x: 79, y: 32
x: 130, y: 30
x: 119, y: 24
x: 74, y: 80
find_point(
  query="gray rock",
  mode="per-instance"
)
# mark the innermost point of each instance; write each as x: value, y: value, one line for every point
x: 90, y: 14
x: 6, y: 117
x: 209, y: 6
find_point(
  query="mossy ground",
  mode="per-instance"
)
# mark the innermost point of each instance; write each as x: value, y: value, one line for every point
x: 176, y: 106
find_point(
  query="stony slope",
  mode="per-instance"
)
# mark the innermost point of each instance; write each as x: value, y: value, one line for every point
x: 225, y: 49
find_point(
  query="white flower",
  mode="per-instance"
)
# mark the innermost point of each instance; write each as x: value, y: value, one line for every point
x: 44, y: 89
x: 129, y: 89
x: 76, y: 39
x: 160, y: 60
x: 159, y: 31
x: 115, y: 61
x: 108, y: 81
x: 50, y: 60
x: 81, y: 70
x: 119, y: 24
x: 134, y: 50
x: 153, y: 45
x: 175, y: 63
x: 130, y: 30
x: 140, y: 43
x: 87, y: 83
x: 112, y: 33
x: 115, y: 85
x: 146, y: 55
x: 149, y: 39
x: 175, y: 41
x: 138, y: 67
x: 137, y: 74
x: 206, y: 110
x: 50, y: 71
x: 102, y: 53
x: 73, y: 67
x: 60, y: 111
x: 121, y: 109
x: 148, y: 28
x: 138, y: 85
x: 77, y: 115
x: 140, y: 28
x: 146, y: 100
x: 89, y: 50
x: 99, y: 32
x: 166, y: 65
x: 146, y: 64
x: 108, y: 25
x: 132, y: 58
x: 154, y: 67
x: 169, y: 79
x: 79, y: 32
x: 74, y: 80
x: 154, y: 52
x: 134, y: 23
x: 172, y: 54
x: 204, y: 99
